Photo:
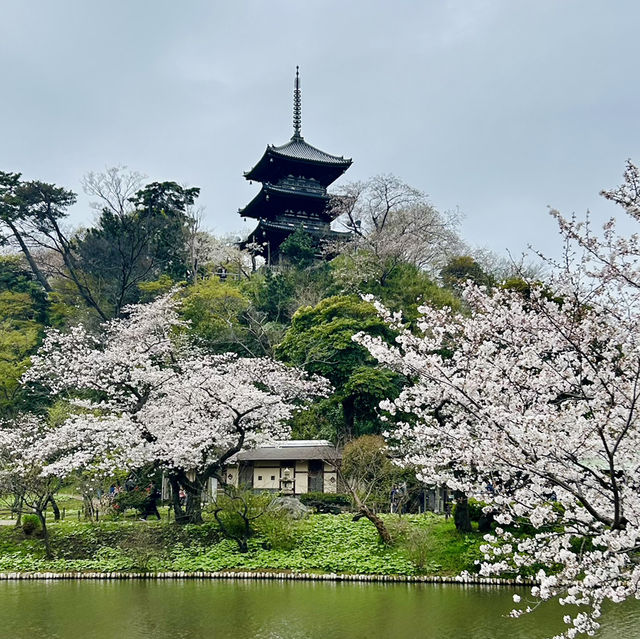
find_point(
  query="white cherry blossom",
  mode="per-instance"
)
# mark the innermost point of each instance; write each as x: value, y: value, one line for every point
x: 144, y: 395
x: 529, y: 402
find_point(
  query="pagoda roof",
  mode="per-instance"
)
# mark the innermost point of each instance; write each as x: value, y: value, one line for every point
x: 298, y: 158
x: 290, y: 224
x: 285, y: 226
x: 272, y: 200
x: 299, y: 152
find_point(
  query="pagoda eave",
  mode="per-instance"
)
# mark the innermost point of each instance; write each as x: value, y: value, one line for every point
x: 273, y: 165
x: 270, y: 201
x: 275, y: 232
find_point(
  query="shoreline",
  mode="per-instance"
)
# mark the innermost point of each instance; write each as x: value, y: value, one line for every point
x: 264, y: 576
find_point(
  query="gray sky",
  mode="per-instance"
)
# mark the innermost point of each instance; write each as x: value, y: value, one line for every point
x: 496, y: 107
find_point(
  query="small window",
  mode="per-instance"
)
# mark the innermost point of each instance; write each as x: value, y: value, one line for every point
x: 259, y: 477
x: 273, y: 477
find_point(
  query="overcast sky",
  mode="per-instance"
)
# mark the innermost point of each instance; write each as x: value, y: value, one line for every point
x: 498, y: 108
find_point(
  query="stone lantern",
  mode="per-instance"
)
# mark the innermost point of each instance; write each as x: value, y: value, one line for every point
x: 287, y: 482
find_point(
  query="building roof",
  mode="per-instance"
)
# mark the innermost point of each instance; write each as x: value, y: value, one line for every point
x: 276, y: 231
x: 272, y: 200
x: 286, y: 226
x: 291, y: 223
x: 297, y: 157
x: 298, y: 149
x: 292, y: 451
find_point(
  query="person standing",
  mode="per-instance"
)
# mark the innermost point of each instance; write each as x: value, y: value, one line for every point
x: 151, y: 502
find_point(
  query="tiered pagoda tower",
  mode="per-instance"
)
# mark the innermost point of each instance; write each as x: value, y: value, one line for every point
x: 294, y: 178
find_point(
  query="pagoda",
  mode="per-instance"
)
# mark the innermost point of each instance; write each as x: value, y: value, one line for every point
x: 294, y: 178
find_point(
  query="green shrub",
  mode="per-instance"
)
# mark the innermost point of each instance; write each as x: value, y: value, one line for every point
x: 328, y: 503
x: 142, y: 548
x: 31, y: 524
x: 298, y: 247
x: 418, y: 548
x: 320, y: 543
x: 413, y: 538
x: 135, y: 498
x: 236, y: 512
x: 278, y: 529
x: 475, y: 509
x: 398, y: 528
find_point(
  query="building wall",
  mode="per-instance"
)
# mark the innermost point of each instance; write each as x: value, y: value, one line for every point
x: 301, y: 478
x: 232, y: 475
x: 268, y: 475
x: 330, y: 478
x: 437, y: 499
x: 208, y: 495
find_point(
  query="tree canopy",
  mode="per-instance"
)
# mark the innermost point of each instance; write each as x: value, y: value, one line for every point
x: 321, y: 341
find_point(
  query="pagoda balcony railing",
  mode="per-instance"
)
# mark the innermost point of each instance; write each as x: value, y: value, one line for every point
x: 308, y: 185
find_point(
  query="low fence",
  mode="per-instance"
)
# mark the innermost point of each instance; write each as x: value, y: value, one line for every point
x: 470, y: 580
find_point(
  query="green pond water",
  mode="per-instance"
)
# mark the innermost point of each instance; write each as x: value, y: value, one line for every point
x: 277, y: 610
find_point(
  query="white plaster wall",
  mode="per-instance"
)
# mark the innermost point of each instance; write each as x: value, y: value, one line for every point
x: 262, y: 478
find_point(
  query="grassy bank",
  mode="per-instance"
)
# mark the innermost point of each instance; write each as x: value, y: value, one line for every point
x: 424, y: 544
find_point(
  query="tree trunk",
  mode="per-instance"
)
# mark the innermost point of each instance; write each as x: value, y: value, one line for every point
x: 349, y: 414
x: 178, y: 511
x: 378, y: 523
x: 87, y: 501
x: 64, y: 249
x: 241, y: 537
x: 193, y: 509
x: 17, y: 508
x: 243, y: 545
x: 485, y: 521
x: 45, y: 534
x: 365, y: 511
x: 54, y: 507
x: 192, y: 513
x: 32, y: 263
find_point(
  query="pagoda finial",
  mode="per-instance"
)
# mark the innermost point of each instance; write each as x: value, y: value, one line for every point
x: 297, y: 105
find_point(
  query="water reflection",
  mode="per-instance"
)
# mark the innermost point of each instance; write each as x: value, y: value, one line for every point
x: 277, y: 610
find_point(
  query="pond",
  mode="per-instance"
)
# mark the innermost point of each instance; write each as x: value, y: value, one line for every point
x: 193, y: 609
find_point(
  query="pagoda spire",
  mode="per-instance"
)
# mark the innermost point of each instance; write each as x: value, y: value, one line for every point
x: 297, y: 107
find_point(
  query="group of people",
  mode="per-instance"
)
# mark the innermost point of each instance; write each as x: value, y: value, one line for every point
x: 114, y: 491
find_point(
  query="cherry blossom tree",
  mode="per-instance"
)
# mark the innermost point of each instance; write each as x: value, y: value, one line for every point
x: 145, y: 395
x: 529, y: 402
x: 21, y: 468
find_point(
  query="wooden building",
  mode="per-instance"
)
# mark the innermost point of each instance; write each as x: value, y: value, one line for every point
x: 294, y: 467
x: 294, y: 178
